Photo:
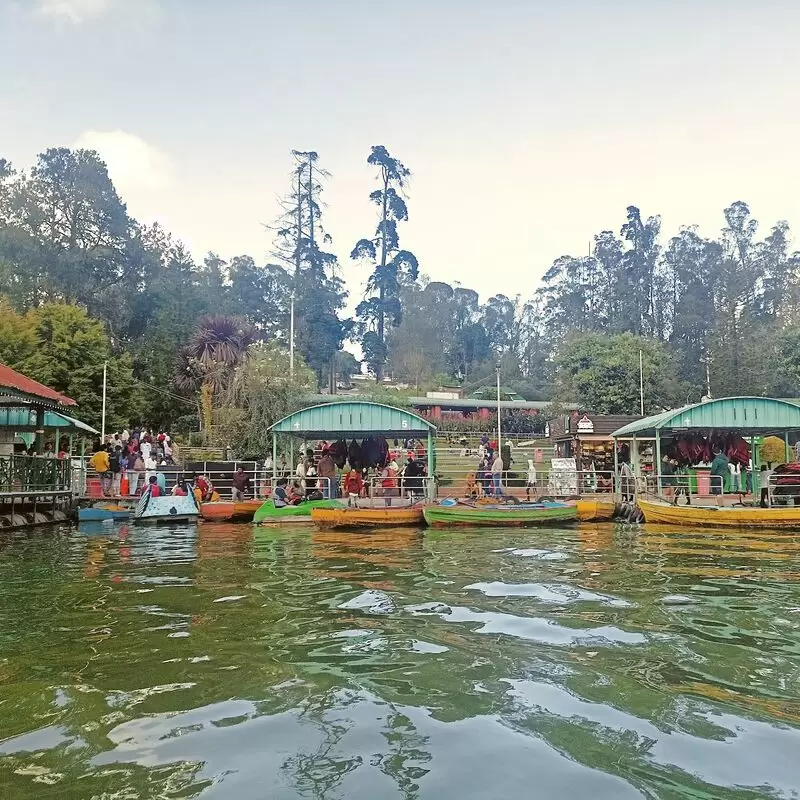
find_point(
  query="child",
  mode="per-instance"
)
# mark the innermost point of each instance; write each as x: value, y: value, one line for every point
x: 530, y: 484
x: 763, y: 482
x: 353, y: 485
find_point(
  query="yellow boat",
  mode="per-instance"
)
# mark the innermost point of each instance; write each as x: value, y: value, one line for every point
x: 595, y: 510
x: 360, y: 518
x: 720, y: 516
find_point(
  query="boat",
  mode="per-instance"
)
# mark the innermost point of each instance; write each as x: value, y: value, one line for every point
x: 595, y: 510
x: 101, y: 512
x: 521, y: 515
x: 166, y: 508
x: 657, y: 511
x: 366, y: 518
x: 267, y: 514
x: 226, y: 510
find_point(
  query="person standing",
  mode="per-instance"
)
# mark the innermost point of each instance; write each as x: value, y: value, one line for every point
x: 719, y: 472
x: 135, y: 469
x: 115, y: 465
x: 241, y: 484
x: 497, y: 475
x: 530, y: 484
x: 667, y: 478
x: 101, y: 463
x: 353, y: 486
x: 326, y: 471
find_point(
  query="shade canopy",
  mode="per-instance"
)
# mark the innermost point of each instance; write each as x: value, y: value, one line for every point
x: 24, y: 419
x: 753, y: 415
x: 353, y: 418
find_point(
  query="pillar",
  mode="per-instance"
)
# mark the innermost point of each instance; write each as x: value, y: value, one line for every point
x: 431, y: 489
x: 657, y: 462
x: 39, y: 430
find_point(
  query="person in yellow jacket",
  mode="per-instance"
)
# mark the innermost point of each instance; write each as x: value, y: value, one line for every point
x: 101, y: 463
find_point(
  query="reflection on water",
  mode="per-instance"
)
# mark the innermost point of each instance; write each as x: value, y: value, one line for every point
x: 227, y: 662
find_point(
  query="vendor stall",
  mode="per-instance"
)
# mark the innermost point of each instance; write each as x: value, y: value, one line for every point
x: 713, y: 445
x: 587, y: 438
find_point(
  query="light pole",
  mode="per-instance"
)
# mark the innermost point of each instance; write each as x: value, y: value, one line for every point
x: 499, y: 443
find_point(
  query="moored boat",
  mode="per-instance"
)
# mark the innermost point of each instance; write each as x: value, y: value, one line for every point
x: 226, y: 510
x: 365, y: 518
x: 100, y: 512
x: 166, y: 508
x: 219, y: 511
x: 267, y: 514
x: 595, y: 510
x: 499, y: 516
x: 720, y: 516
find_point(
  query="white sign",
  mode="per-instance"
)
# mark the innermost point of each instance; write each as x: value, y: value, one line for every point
x: 563, y: 477
x: 585, y: 425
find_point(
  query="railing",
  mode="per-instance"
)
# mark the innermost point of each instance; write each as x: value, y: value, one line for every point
x: 545, y: 483
x: 682, y: 487
x: 782, y: 490
x: 34, y: 474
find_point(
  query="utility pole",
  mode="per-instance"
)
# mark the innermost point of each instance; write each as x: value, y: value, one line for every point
x: 105, y: 386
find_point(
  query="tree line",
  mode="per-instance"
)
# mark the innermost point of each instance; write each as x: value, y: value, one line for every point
x: 84, y: 283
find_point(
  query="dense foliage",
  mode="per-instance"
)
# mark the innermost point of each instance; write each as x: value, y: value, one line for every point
x: 84, y: 284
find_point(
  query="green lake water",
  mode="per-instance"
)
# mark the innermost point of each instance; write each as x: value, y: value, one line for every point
x: 222, y: 662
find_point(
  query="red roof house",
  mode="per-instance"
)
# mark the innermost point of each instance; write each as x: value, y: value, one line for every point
x: 19, y: 387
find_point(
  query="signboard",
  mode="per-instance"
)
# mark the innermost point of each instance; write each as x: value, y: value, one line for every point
x: 563, y: 477
x: 585, y: 425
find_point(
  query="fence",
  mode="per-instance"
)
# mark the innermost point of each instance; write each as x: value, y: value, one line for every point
x: 34, y: 474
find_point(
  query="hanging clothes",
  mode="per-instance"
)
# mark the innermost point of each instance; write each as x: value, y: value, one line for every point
x: 339, y: 453
x: 354, y: 456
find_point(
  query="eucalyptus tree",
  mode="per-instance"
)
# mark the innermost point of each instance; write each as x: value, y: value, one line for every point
x: 391, y: 266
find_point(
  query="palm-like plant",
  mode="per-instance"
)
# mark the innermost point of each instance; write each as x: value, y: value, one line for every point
x: 208, y: 362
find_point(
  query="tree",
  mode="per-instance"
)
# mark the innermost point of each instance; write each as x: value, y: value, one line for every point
x: 61, y: 346
x: 208, y: 363
x: 601, y: 374
x: 260, y: 392
x: 319, y: 294
x: 391, y: 266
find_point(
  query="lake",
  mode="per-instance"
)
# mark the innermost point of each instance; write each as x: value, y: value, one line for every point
x: 224, y: 662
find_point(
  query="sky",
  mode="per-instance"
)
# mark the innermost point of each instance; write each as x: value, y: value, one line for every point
x: 528, y: 126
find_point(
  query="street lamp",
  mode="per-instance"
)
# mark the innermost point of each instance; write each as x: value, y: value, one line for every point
x: 499, y: 442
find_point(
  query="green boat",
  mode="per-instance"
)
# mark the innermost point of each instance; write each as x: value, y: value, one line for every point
x: 528, y: 515
x: 268, y: 514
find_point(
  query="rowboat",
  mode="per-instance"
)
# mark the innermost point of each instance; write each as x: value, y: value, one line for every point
x: 267, y: 514
x: 500, y: 516
x: 104, y: 511
x: 595, y: 510
x: 720, y: 516
x: 225, y: 510
x: 361, y: 518
x: 166, y: 508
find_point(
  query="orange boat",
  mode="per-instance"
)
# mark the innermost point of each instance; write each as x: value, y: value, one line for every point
x: 226, y: 510
x: 366, y: 518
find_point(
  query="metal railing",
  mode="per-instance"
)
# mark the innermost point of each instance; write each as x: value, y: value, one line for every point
x: 20, y: 473
x: 781, y: 490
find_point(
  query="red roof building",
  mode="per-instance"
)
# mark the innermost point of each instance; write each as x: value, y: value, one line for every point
x: 17, y: 386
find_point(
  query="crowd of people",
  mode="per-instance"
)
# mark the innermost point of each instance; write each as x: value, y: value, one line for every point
x: 401, y: 473
x: 130, y: 459
x: 493, y: 462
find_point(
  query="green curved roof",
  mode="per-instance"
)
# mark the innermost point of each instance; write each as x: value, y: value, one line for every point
x: 744, y: 414
x: 353, y: 417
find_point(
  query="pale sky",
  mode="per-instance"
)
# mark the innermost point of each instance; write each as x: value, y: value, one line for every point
x: 529, y: 126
